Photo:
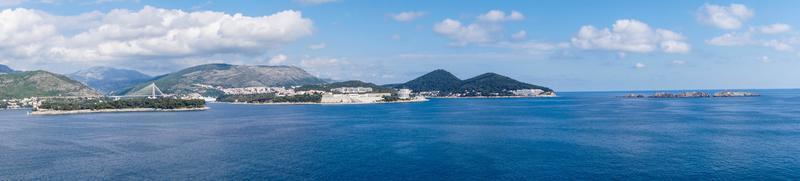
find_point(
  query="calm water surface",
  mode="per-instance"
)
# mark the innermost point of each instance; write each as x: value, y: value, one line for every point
x: 576, y: 136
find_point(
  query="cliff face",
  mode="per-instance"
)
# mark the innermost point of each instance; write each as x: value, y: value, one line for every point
x: 41, y: 83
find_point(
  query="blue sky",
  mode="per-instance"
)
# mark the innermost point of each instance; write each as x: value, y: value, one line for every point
x: 567, y: 45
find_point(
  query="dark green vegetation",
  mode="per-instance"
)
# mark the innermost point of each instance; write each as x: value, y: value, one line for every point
x: 391, y: 98
x: 193, y: 79
x: 352, y: 83
x: 438, y: 80
x: 488, y: 84
x: 107, y: 103
x: 271, y: 98
x: 40, y: 84
x: 109, y: 80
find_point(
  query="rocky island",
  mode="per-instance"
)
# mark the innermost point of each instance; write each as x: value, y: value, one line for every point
x: 693, y: 94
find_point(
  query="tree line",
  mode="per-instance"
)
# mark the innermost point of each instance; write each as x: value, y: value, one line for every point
x: 107, y: 103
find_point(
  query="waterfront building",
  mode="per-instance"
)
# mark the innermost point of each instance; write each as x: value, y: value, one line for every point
x: 404, y: 94
x: 352, y: 90
x: 353, y: 98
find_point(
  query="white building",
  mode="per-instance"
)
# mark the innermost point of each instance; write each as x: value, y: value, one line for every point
x: 352, y: 90
x: 404, y: 94
x: 353, y: 98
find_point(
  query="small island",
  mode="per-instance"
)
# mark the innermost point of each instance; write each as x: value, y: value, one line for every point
x: 693, y: 94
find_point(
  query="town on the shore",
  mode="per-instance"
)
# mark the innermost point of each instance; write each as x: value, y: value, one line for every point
x: 180, y: 92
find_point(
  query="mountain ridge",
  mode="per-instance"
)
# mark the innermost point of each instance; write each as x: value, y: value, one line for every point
x: 107, y: 79
x: 5, y: 69
x: 447, y: 83
x: 40, y: 84
x: 196, y: 79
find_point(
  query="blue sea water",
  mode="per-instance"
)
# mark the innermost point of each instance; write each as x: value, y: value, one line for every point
x: 584, y: 136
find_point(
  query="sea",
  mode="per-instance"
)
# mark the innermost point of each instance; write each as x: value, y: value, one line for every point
x: 576, y: 136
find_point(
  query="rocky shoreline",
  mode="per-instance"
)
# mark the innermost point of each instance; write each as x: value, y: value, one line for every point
x: 57, y: 112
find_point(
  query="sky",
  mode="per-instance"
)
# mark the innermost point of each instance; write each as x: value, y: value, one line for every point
x: 565, y: 45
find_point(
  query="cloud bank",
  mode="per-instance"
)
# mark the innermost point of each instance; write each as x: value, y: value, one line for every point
x: 150, y: 33
x: 732, y: 16
x: 630, y: 35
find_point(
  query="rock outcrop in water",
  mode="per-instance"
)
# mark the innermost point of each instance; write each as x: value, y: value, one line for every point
x: 680, y: 95
x: 694, y: 94
x: 735, y: 94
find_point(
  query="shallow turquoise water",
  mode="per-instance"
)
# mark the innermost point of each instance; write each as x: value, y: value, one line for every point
x: 575, y: 136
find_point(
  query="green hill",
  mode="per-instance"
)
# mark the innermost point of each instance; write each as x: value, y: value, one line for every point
x: 438, y: 80
x: 40, y: 84
x: 495, y: 83
x: 195, y: 79
x: 485, y: 84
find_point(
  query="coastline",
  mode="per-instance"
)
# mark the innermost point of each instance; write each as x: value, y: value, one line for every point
x: 319, y: 103
x: 56, y: 112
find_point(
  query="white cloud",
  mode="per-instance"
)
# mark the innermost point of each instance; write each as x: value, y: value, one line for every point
x: 520, y: 35
x: 408, y: 16
x: 732, y: 16
x: 278, y: 59
x: 731, y: 39
x: 314, y: 2
x: 463, y: 35
x: 672, y: 46
x: 150, y: 33
x: 500, y: 16
x: 487, y: 28
x: 639, y: 65
x: 779, y: 45
x: 775, y: 28
x: 630, y: 36
x: 678, y: 62
x: 744, y: 39
x: 317, y: 46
